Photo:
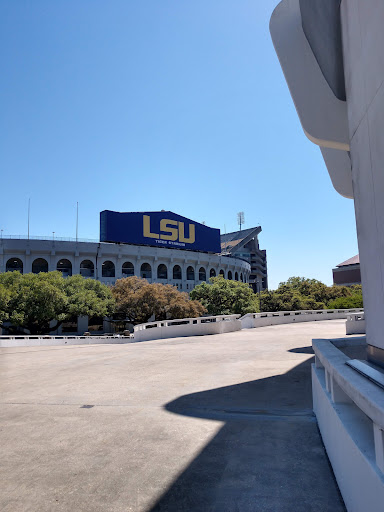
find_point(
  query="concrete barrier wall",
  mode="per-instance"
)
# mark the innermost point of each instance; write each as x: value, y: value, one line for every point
x: 57, y: 341
x: 252, y: 320
x: 184, y: 327
x: 350, y: 414
x: 355, y: 323
x: 187, y: 327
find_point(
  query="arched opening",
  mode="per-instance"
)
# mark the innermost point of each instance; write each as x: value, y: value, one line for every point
x: 108, y: 269
x: 65, y: 267
x: 230, y: 275
x: 212, y: 273
x: 221, y: 273
x: 127, y: 269
x: 236, y: 276
x: 190, y: 274
x: 162, y: 272
x: 14, y: 264
x: 146, y: 271
x: 202, y: 274
x: 241, y: 277
x: 87, y: 268
x: 39, y: 265
x: 177, y: 272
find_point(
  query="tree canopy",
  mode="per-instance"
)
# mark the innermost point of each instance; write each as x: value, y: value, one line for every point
x: 298, y: 293
x: 39, y: 303
x: 137, y: 301
x: 33, y: 301
x: 225, y: 297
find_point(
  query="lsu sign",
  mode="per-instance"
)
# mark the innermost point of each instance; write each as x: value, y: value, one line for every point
x: 160, y: 229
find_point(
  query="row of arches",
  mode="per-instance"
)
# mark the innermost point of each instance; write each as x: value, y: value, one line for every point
x: 87, y: 269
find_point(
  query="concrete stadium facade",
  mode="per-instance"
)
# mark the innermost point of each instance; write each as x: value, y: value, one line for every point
x: 108, y: 262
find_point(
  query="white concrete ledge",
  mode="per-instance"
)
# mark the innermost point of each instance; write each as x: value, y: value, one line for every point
x: 53, y: 341
x: 350, y: 413
x: 252, y: 320
x: 184, y: 327
x: 355, y: 323
x: 187, y: 327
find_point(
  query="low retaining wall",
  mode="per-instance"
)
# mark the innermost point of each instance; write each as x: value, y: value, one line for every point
x: 252, y: 320
x: 53, y: 341
x: 187, y: 327
x: 350, y: 414
x: 355, y: 323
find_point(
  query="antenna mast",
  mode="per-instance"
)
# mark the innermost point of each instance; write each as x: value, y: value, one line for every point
x: 29, y: 213
x: 77, y: 220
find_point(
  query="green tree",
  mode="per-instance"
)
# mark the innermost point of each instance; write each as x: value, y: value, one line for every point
x: 354, y: 301
x: 5, y: 297
x: 36, y: 300
x: 225, y: 297
x: 298, y: 293
x: 88, y: 297
x: 137, y: 301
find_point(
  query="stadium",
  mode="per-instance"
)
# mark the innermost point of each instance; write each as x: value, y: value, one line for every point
x: 159, y: 246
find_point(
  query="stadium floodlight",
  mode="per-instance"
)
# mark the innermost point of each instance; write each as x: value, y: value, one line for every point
x: 240, y: 219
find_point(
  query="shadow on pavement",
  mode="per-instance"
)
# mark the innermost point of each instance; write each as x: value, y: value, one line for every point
x: 268, y: 457
x: 302, y: 350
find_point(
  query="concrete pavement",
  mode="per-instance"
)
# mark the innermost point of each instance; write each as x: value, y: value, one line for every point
x: 217, y: 423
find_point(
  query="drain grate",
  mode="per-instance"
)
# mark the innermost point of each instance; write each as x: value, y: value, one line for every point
x: 87, y: 406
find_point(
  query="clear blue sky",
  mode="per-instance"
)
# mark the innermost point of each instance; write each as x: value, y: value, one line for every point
x: 148, y: 105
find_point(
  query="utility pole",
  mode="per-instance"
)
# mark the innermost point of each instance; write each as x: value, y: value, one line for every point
x: 77, y: 220
x: 29, y: 213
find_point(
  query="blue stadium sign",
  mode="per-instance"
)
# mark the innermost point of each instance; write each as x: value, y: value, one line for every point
x: 159, y: 229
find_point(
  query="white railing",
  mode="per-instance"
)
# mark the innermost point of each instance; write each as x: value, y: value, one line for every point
x: 187, y: 327
x: 355, y: 323
x: 252, y: 320
x: 350, y: 414
x: 50, y: 341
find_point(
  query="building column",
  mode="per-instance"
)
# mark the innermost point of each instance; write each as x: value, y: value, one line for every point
x: 364, y: 75
x: 82, y: 325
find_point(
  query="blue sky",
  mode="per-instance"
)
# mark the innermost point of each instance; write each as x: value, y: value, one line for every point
x: 148, y: 105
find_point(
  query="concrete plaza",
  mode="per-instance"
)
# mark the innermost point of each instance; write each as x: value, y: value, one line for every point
x: 217, y: 423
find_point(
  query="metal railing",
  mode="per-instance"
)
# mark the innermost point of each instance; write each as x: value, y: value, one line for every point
x: 49, y: 238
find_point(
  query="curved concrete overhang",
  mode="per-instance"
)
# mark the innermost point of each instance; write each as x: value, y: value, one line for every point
x: 323, y: 116
x: 340, y: 170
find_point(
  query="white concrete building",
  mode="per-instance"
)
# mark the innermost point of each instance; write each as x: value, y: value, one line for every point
x: 107, y: 262
x: 331, y: 53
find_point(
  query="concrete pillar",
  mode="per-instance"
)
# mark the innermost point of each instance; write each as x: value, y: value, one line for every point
x: 82, y: 324
x: 118, y: 267
x: 76, y: 262
x: 3, y: 258
x: 28, y: 262
x: 107, y: 325
x: 363, y: 40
